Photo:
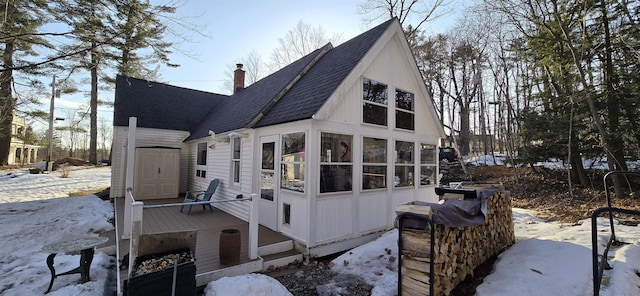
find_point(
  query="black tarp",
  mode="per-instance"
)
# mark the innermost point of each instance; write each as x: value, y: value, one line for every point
x: 459, y: 213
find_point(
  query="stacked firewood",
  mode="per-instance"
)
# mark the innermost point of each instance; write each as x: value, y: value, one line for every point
x: 457, y: 250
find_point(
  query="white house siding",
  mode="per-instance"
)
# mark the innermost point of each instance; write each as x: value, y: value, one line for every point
x: 334, y: 218
x: 300, y: 226
x: 355, y: 213
x: 349, y: 215
x: 373, y: 210
x: 219, y: 166
x: 317, y: 219
x: 117, y: 162
x: 145, y: 137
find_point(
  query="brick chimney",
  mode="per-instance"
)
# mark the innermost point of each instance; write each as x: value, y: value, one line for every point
x: 238, y: 78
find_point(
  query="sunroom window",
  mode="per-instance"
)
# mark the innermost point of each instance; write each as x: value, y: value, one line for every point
x: 292, y: 162
x: 404, y: 110
x: 336, y: 167
x: 374, y: 163
x: 404, y: 164
x: 427, y: 164
x: 375, y: 102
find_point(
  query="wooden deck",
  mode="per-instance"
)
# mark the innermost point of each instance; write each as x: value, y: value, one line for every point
x: 207, y: 224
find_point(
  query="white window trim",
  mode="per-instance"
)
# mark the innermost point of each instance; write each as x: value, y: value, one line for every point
x: 282, y: 163
x: 434, y: 165
x: 234, y: 160
x: 350, y: 163
x: 386, y: 106
x: 363, y: 163
x: 396, y: 164
x: 396, y: 109
x: 201, y: 167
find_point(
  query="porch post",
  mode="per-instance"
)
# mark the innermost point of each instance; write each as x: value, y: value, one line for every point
x: 136, y: 231
x: 129, y: 154
x: 253, y: 227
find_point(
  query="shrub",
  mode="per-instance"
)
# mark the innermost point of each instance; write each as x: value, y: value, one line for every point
x: 65, y: 169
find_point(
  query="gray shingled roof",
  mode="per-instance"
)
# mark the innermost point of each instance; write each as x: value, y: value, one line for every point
x: 161, y: 106
x: 312, y: 91
x: 312, y: 79
x: 245, y: 104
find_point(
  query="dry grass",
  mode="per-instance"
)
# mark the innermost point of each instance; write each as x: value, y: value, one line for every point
x: 548, y: 191
x: 87, y: 192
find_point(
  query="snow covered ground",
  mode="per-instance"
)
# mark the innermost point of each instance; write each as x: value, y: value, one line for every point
x: 34, y: 213
x: 548, y: 259
x: 500, y: 159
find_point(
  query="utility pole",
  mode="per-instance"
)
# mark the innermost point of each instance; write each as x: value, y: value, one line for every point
x: 48, y: 164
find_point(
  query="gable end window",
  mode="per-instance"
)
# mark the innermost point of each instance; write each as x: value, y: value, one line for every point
x: 404, y: 110
x: 374, y: 102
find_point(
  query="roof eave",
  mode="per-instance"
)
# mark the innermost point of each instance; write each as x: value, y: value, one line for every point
x: 281, y: 94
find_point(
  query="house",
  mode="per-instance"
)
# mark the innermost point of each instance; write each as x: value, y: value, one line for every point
x: 330, y: 143
x: 19, y: 152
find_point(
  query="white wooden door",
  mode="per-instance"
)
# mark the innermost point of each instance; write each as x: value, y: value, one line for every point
x: 169, y: 176
x: 269, y: 182
x: 156, y: 173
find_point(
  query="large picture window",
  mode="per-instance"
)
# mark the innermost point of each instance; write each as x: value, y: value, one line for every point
x: 336, y: 167
x: 375, y: 102
x: 404, y: 164
x: 427, y: 164
x: 292, y: 162
x: 404, y: 110
x: 374, y: 163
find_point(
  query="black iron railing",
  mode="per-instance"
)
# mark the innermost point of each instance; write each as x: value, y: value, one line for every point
x: 428, y: 227
x: 598, y: 266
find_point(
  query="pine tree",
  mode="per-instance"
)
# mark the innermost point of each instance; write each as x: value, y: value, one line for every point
x: 20, y: 21
x: 115, y: 37
x: 138, y: 26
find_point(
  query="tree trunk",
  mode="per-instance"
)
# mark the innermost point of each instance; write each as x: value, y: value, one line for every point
x: 613, y: 107
x: 93, y: 130
x: 71, y: 141
x: 590, y: 97
x: 464, y: 130
x: 577, y: 169
x: 7, y: 103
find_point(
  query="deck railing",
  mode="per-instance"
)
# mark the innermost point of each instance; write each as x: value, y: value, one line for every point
x: 137, y: 208
x: 598, y: 266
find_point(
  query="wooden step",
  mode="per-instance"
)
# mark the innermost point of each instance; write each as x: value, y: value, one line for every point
x: 280, y: 259
x: 275, y: 248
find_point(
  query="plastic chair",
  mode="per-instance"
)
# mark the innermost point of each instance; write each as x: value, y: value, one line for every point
x: 194, y: 196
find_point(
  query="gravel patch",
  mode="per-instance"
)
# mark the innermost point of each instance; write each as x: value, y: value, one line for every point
x: 317, y: 278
